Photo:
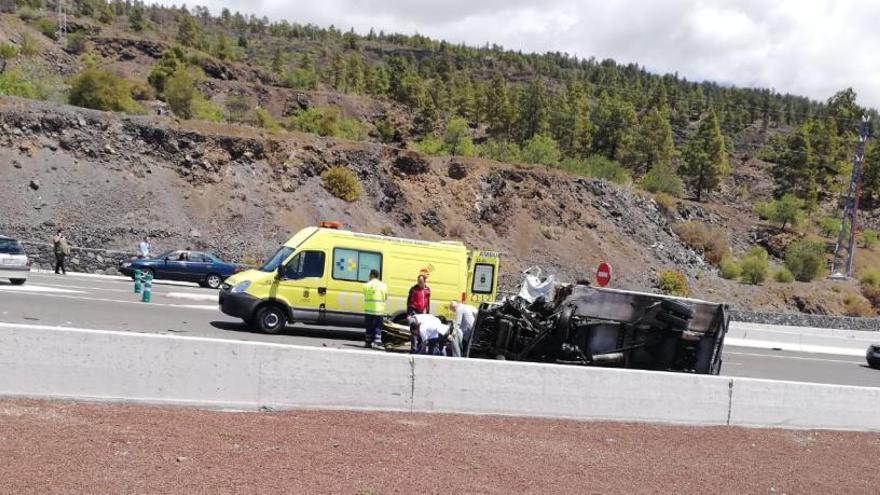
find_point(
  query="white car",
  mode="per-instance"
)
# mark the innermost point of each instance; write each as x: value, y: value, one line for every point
x: 14, y: 263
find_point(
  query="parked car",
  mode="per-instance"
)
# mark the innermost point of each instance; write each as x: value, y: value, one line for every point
x: 14, y: 263
x: 873, y: 356
x: 188, y: 266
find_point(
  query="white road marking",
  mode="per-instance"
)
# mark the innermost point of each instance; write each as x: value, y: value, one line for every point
x: 782, y: 356
x: 794, y: 347
x: 36, y: 289
x: 110, y: 278
x: 191, y: 297
x: 212, y: 307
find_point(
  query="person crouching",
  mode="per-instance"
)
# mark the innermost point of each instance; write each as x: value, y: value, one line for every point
x: 428, y: 335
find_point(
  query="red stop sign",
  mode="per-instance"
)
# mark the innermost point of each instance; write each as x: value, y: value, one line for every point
x: 603, y: 274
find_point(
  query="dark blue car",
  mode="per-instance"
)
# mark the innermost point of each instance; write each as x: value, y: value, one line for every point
x: 187, y: 266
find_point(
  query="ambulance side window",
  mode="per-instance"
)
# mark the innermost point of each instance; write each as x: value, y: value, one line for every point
x: 355, y: 266
x: 306, y: 264
x: 484, y: 276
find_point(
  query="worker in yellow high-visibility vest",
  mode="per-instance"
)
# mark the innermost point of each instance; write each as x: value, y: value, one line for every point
x: 375, y: 295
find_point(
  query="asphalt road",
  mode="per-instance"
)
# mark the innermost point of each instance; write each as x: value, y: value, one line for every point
x: 88, y: 302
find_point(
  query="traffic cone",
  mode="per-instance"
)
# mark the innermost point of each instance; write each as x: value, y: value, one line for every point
x: 137, y: 281
x: 148, y: 288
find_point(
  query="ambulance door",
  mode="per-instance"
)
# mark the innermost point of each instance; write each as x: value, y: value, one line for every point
x: 303, y: 284
x: 483, y: 277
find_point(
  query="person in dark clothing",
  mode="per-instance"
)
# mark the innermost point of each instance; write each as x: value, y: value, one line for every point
x: 419, y: 300
x: 62, y: 250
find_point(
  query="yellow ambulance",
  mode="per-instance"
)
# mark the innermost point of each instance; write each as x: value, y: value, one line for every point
x: 316, y: 277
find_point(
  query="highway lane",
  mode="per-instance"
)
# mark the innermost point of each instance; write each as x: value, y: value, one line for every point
x: 184, y: 309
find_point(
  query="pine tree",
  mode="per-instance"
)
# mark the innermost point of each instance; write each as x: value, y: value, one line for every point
x: 188, y: 32
x: 655, y: 143
x: 614, y: 129
x: 498, y: 110
x: 705, y: 159
x: 794, y: 169
x: 532, y: 114
x: 377, y: 80
x: 355, y: 80
x: 277, y: 61
x: 136, y: 19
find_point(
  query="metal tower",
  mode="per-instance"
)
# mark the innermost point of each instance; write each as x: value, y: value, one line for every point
x: 61, y: 14
x: 851, y: 209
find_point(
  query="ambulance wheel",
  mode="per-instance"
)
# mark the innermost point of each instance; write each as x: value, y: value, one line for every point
x: 270, y: 319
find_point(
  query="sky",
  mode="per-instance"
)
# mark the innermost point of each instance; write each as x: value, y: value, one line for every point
x: 807, y: 47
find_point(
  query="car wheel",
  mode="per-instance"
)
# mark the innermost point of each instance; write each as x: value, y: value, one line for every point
x: 270, y: 319
x: 874, y: 363
x: 674, y: 322
x: 17, y: 281
x: 213, y: 281
x: 678, y: 309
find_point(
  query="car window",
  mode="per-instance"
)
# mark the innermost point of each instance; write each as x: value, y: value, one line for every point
x: 272, y: 264
x: 173, y: 255
x: 306, y: 264
x: 198, y: 257
x: 11, y: 246
x: 354, y: 265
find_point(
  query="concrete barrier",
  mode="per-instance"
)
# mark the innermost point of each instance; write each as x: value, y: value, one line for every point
x: 88, y: 364
x: 533, y: 389
x: 800, y: 339
x: 58, y: 362
x: 769, y: 403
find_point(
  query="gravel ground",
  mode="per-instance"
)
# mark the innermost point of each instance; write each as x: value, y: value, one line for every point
x: 67, y: 447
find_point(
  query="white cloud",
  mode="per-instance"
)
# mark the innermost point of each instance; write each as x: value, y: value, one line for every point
x: 809, y: 47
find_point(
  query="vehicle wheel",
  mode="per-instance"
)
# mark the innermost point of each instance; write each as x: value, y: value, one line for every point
x: 17, y: 281
x: 673, y: 321
x: 683, y: 311
x: 213, y: 281
x: 874, y: 363
x: 270, y: 319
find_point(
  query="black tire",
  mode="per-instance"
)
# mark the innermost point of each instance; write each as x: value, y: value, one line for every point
x: 874, y: 363
x: 17, y: 281
x: 672, y: 321
x: 270, y: 319
x: 213, y: 281
x: 676, y: 308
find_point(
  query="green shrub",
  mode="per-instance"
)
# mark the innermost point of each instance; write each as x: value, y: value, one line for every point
x: 783, y: 275
x: 12, y: 83
x: 265, y: 120
x: 205, y: 110
x: 186, y: 101
x: 500, y: 151
x: 829, y: 227
x: 77, y: 43
x: 788, y: 210
x: 326, y: 122
x: 102, y: 90
x: 239, y: 107
x: 673, y: 283
x: 46, y: 26
x: 870, y: 277
x: 28, y: 14
x: 599, y: 167
x: 171, y: 61
x: 806, y: 260
x: 457, y: 140
x: 301, y: 78
x: 662, y: 178
x: 430, y: 145
x: 541, y: 149
x: 755, y: 265
x: 342, y: 183
x: 729, y: 268
x: 869, y: 238
x: 8, y: 51
x: 386, y: 129
x: 712, y: 242
x: 141, y: 91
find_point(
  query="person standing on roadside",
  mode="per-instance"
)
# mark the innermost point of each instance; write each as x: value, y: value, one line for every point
x: 62, y: 250
x: 419, y: 300
x: 375, y: 295
x: 462, y: 326
x: 144, y: 248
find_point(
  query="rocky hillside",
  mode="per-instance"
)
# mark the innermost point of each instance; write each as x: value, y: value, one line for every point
x: 109, y: 180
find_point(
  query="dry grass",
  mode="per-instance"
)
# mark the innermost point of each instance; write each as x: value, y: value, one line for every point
x: 858, y: 306
x: 711, y: 241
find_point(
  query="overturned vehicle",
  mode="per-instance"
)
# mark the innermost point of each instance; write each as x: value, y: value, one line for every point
x: 584, y: 325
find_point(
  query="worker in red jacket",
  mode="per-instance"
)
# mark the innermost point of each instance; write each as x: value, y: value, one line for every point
x: 419, y: 300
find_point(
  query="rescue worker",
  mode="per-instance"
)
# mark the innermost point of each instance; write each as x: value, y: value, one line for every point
x: 375, y: 295
x: 419, y: 299
x: 144, y: 248
x: 427, y: 334
x: 61, y: 250
x: 462, y: 326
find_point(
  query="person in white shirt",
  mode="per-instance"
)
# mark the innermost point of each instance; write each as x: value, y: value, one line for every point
x: 144, y: 248
x: 428, y: 335
x: 462, y: 326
